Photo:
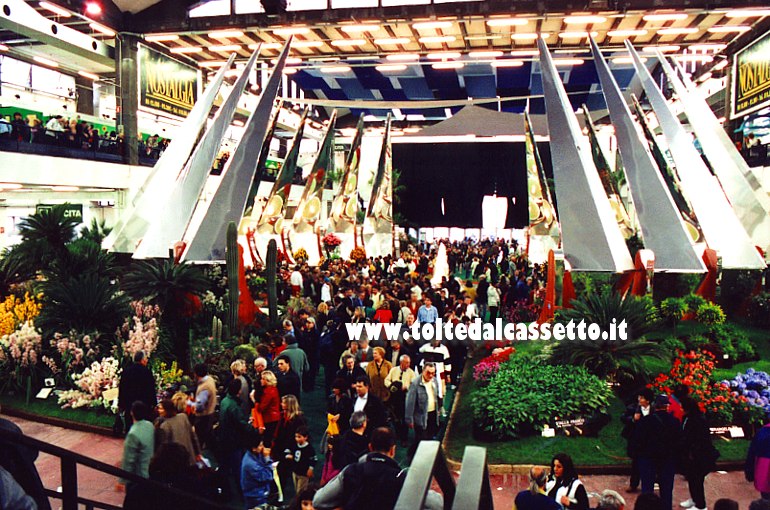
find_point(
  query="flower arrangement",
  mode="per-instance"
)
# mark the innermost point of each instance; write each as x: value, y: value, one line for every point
x: 693, y: 369
x: 754, y: 386
x: 358, y: 254
x: 331, y: 241
x: 301, y: 254
x: 488, y: 367
x: 142, y: 336
x: 15, y: 311
x: 91, y: 384
x: 19, y: 354
x: 70, y: 353
x: 213, y: 305
x: 167, y: 378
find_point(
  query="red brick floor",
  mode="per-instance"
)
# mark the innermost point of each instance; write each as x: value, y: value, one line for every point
x: 101, y: 487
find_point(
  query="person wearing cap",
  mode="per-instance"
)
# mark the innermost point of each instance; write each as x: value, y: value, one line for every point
x: 655, y: 441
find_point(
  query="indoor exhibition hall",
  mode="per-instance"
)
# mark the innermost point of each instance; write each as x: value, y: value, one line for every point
x: 384, y: 254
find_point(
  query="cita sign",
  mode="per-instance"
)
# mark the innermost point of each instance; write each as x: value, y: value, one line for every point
x: 166, y: 84
x: 70, y: 210
x: 751, y: 77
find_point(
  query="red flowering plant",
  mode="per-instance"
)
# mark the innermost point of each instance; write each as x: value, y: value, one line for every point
x: 488, y: 367
x: 331, y: 241
x: 693, y: 369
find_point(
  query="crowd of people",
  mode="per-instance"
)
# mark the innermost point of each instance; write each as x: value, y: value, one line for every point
x: 75, y: 133
x: 380, y: 396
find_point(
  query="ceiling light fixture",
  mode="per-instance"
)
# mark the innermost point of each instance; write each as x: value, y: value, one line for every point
x: 488, y: 37
x: 626, y: 33
x: 507, y: 22
x: 387, y: 68
x: 290, y: 70
x: 402, y: 57
x: 186, y: 49
x: 102, y: 29
x: 437, y: 39
x: 266, y: 46
x: 225, y: 48
x: 161, y: 37
x: 291, y: 31
x: 357, y: 29
x: 665, y: 16
x: 45, y: 61
x: 443, y: 55
x: 748, y: 13
x: 225, y: 34
x: 427, y: 25
x: 525, y: 53
x: 576, y: 20
x: 568, y: 61
x: 55, y: 9
x: 348, y: 42
x: 90, y: 76
x: 392, y: 40
x: 530, y: 37
x: 727, y: 29
x: 485, y: 54
x: 507, y: 63
x: 336, y: 69
x: 448, y: 65
x: 626, y: 60
x: 93, y: 9
x: 678, y: 31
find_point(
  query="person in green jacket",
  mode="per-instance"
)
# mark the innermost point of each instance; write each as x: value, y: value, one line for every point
x: 235, y: 433
x: 139, y: 445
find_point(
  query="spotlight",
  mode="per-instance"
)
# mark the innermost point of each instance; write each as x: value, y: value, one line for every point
x: 93, y: 8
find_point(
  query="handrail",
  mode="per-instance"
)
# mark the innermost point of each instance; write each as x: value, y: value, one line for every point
x: 428, y: 462
x: 476, y: 494
x: 69, y: 462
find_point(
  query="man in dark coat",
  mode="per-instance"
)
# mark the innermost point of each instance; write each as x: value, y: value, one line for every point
x: 350, y: 372
x: 136, y: 383
x: 19, y: 461
x: 655, y: 442
x: 366, y: 401
x: 288, y: 380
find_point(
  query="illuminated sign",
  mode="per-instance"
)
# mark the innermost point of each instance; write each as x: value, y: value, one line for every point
x: 70, y: 210
x: 751, y: 77
x: 166, y: 84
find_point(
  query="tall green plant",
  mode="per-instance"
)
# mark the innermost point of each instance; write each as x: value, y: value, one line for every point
x: 614, y: 360
x: 96, y: 232
x: 232, y: 259
x: 271, y: 266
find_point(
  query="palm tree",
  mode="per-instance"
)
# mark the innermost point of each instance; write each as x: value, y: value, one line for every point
x: 45, y: 235
x: 96, y: 232
x: 84, y: 302
x: 14, y: 269
x: 82, y: 256
x: 616, y: 360
x: 173, y: 287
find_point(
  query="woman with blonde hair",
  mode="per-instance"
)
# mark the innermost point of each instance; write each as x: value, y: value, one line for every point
x: 291, y: 419
x: 238, y: 368
x: 377, y: 370
x: 269, y: 407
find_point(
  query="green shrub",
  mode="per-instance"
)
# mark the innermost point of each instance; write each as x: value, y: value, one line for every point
x: 710, y: 313
x: 693, y: 302
x: 759, y: 310
x: 733, y: 342
x: 527, y: 394
x: 246, y: 352
x: 673, y: 309
x: 696, y: 342
x: 673, y: 345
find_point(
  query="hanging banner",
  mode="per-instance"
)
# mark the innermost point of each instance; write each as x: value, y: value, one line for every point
x: 542, y: 214
x: 166, y: 84
x: 263, y: 162
x: 751, y: 77
x: 309, y: 207
x: 271, y: 218
x: 345, y: 207
x: 607, y: 178
x: 379, y: 215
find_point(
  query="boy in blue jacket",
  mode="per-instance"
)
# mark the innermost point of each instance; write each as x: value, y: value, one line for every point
x: 256, y: 476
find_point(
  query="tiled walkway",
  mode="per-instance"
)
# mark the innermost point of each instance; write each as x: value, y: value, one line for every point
x: 100, y: 487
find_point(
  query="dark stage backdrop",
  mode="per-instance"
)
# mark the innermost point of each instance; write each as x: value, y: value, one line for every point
x: 461, y: 173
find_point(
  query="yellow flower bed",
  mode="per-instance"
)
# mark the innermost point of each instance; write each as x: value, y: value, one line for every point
x: 15, y: 311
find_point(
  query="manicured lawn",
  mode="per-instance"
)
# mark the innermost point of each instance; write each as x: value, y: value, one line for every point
x: 50, y: 408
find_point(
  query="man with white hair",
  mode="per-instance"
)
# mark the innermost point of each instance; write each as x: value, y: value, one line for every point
x: 611, y: 500
x: 398, y: 381
x: 260, y: 365
x: 535, y: 498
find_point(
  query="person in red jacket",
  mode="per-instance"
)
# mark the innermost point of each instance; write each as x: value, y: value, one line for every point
x: 269, y: 406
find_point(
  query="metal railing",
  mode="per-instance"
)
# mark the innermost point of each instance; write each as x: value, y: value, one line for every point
x: 429, y: 462
x: 69, y: 478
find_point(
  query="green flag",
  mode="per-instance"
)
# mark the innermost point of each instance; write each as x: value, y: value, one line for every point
x: 345, y: 207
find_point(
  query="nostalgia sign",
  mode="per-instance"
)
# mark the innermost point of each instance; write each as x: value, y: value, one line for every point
x: 166, y: 84
x: 751, y: 77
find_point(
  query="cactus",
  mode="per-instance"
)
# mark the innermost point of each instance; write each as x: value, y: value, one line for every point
x: 216, y: 330
x: 232, y: 258
x: 271, y: 265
